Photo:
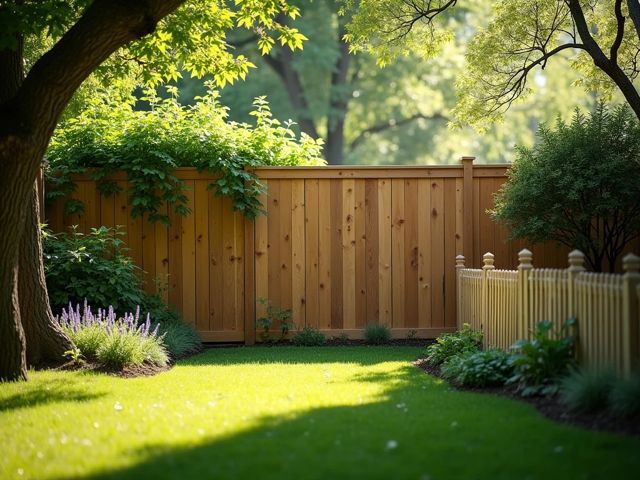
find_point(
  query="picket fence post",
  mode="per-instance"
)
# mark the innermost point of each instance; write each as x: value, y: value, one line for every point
x: 459, y: 267
x: 630, y: 313
x: 487, y: 259
x: 525, y: 265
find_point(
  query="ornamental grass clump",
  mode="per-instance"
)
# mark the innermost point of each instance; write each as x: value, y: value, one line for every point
x: 112, y: 341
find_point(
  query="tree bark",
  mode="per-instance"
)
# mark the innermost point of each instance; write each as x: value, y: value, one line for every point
x: 27, y: 121
x: 46, y: 342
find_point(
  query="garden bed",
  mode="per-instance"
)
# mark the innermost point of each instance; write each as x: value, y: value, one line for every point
x: 551, y: 407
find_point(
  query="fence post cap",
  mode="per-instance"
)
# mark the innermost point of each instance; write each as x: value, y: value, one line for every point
x: 460, y: 261
x: 525, y: 259
x: 631, y: 263
x: 488, y: 259
x: 467, y: 158
x: 576, y: 261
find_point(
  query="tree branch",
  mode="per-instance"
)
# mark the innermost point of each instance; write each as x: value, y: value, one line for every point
x: 105, y: 26
x: 613, y: 55
x: 381, y: 127
x: 634, y: 14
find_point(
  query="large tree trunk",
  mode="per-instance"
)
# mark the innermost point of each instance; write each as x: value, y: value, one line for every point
x: 338, y: 104
x: 29, y: 111
x: 46, y: 342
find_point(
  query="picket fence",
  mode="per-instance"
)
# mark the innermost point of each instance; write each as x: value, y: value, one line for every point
x: 507, y: 304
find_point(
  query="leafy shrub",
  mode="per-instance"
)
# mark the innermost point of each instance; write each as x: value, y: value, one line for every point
x: 483, y: 368
x: 377, y: 334
x: 114, y: 342
x: 111, y: 135
x: 309, y: 337
x: 451, y: 344
x: 625, y: 397
x: 91, y: 266
x: 539, y: 363
x: 179, y: 338
x: 586, y: 390
x: 575, y: 178
x: 95, y: 267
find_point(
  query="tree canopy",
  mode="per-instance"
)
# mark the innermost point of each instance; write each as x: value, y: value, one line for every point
x: 600, y: 38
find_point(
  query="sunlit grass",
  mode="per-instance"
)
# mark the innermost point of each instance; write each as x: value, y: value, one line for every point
x: 288, y: 413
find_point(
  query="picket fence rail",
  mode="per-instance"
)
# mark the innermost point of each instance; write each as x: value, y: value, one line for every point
x: 507, y: 304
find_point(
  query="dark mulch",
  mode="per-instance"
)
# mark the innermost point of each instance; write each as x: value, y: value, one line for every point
x: 143, y: 370
x: 552, y: 407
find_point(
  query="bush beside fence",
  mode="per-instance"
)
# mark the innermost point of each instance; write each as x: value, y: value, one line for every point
x: 507, y: 304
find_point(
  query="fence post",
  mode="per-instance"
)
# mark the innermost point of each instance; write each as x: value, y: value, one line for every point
x: 467, y: 209
x: 576, y: 266
x: 525, y: 265
x: 487, y: 259
x: 630, y: 313
x: 459, y: 267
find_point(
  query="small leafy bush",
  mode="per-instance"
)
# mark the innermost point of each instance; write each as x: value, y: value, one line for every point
x: 539, y: 363
x: 586, y: 390
x: 272, y: 315
x: 625, y: 397
x: 309, y: 337
x: 112, y: 341
x: 179, y: 338
x: 451, y: 344
x: 91, y: 266
x: 377, y: 334
x: 483, y: 368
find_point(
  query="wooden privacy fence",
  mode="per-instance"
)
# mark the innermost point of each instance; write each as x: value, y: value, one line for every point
x: 340, y: 246
x: 507, y: 304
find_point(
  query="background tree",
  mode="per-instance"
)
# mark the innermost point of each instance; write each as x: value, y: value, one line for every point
x: 85, y: 34
x: 601, y: 38
x: 395, y: 115
x: 576, y: 186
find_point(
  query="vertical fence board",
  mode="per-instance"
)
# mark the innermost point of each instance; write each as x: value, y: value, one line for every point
x: 202, y: 270
x: 424, y: 259
x: 449, y: 252
x: 189, y: 257
x: 411, y: 254
x: 216, y: 255
x: 372, y: 235
x: 311, y: 253
x: 397, y: 252
x: 324, y: 254
x: 298, y: 260
x: 261, y: 257
x: 337, y: 254
x: 437, y: 253
x: 274, y: 212
x: 361, y: 254
x: 384, y: 260
x: 348, y: 254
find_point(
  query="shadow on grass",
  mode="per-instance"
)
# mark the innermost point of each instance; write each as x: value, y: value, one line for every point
x: 361, y: 355
x: 43, y: 393
x: 417, y: 428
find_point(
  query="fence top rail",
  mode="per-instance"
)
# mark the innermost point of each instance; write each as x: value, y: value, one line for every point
x: 339, y: 171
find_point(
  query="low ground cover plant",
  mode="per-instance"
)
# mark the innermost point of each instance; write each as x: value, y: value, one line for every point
x: 377, y: 334
x: 112, y: 341
x: 451, y: 344
x: 484, y: 368
x: 309, y: 337
x: 273, y: 315
x: 587, y: 391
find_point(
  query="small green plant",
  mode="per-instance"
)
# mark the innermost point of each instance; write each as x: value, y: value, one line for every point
x: 451, y: 344
x: 625, y: 397
x: 586, y: 390
x: 377, y: 334
x: 539, y: 363
x: 112, y: 341
x: 179, y: 338
x: 412, y: 334
x: 273, y: 315
x: 75, y: 356
x: 309, y: 337
x: 483, y: 368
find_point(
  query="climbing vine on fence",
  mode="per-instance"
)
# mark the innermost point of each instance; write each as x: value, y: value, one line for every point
x: 111, y: 135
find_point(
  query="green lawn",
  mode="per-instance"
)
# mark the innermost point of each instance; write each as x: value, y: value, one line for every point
x: 289, y: 413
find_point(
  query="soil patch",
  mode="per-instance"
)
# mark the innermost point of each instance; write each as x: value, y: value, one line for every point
x: 552, y: 407
x: 144, y: 370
